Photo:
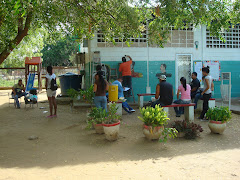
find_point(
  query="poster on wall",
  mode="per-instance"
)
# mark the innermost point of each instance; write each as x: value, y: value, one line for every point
x: 198, y: 70
x: 214, y: 69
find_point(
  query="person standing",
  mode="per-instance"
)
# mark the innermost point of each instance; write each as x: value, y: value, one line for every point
x: 51, y: 94
x: 164, y: 92
x: 185, y: 90
x: 125, y: 105
x: 207, y: 91
x: 100, y: 88
x: 18, y: 90
x: 125, y: 69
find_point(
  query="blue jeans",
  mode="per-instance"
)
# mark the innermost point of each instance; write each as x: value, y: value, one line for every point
x: 18, y: 96
x: 180, y: 110
x: 101, y: 102
x: 197, y: 97
x: 126, y: 107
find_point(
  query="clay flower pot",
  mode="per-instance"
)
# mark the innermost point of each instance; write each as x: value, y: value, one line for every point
x: 152, y: 133
x: 111, y: 131
x: 98, y: 128
x: 217, y: 126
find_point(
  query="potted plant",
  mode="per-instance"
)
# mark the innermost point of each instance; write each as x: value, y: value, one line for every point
x: 96, y: 118
x: 154, y: 120
x: 112, y: 123
x: 218, y: 117
x: 187, y: 130
x: 81, y: 96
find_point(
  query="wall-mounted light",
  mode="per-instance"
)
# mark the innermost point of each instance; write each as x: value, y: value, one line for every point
x: 196, y: 43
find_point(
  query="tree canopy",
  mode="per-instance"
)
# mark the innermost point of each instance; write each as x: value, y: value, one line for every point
x: 115, y: 18
x: 59, y: 53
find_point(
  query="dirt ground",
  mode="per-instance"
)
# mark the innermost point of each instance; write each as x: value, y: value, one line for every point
x: 65, y: 150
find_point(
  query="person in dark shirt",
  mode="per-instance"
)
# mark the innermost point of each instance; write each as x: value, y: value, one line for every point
x: 195, y: 84
x: 164, y: 92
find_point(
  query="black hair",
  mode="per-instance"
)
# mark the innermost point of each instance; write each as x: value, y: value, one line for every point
x: 49, y: 70
x: 183, y: 80
x: 206, y: 69
x: 101, y: 80
x: 99, y: 67
x: 124, y: 59
x: 164, y: 65
x: 19, y: 80
x: 194, y: 73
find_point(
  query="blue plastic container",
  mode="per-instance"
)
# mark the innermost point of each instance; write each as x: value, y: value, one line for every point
x: 68, y: 81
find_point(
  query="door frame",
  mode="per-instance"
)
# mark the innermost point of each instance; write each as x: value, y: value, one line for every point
x: 176, y: 67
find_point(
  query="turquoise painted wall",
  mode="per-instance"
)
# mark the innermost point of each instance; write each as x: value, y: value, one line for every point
x: 234, y: 68
x: 139, y: 84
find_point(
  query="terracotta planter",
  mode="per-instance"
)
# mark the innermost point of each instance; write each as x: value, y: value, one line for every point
x: 217, y: 126
x: 181, y: 134
x: 152, y: 133
x: 98, y: 128
x: 111, y: 131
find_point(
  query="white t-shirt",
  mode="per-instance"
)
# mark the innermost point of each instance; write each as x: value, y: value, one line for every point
x: 210, y: 84
x: 49, y: 78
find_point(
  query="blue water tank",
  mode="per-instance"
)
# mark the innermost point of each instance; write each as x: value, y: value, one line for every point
x: 68, y: 81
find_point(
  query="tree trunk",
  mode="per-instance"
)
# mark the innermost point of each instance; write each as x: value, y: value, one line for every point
x: 19, y: 37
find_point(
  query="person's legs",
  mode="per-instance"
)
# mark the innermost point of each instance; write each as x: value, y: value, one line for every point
x: 104, y: 103
x: 97, y: 101
x: 50, y: 105
x: 206, y: 98
x: 197, y: 97
x: 129, y: 82
x: 16, y: 100
x: 54, y: 104
x: 125, y: 106
x: 176, y: 108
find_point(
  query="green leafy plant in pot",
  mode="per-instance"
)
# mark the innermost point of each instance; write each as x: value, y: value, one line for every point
x: 85, y: 95
x: 218, y: 117
x: 111, y: 124
x: 154, y: 120
x: 96, y: 118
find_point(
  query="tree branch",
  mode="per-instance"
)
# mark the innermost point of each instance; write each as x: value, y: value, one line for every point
x: 21, y: 34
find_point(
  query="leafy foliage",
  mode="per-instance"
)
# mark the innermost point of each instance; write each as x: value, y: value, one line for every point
x: 87, y: 95
x: 59, y: 53
x: 115, y: 18
x: 96, y: 116
x: 153, y: 116
x: 112, y: 114
x: 219, y: 114
x: 191, y: 130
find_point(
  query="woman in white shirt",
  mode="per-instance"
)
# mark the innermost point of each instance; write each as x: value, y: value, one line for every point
x: 51, y: 94
x: 207, y: 91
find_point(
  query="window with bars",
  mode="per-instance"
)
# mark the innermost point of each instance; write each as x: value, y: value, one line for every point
x: 232, y: 39
x: 182, y: 37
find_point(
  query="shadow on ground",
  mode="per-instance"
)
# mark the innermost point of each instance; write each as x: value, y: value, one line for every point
x: 65, y: 141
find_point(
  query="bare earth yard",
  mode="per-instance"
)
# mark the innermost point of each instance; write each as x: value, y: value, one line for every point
x: 65, y: 150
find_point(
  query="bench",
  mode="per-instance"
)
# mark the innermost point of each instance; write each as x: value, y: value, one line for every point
x: 188, y: 110
x: 211, y: 104
x: 141, y: 99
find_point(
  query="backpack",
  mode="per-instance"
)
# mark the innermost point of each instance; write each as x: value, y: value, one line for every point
x: 54, y: 86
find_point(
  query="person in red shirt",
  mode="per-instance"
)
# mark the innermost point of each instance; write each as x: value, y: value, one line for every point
x: 125, y: 69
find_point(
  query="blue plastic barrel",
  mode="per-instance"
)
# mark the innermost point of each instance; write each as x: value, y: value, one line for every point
x: 68, y: 81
